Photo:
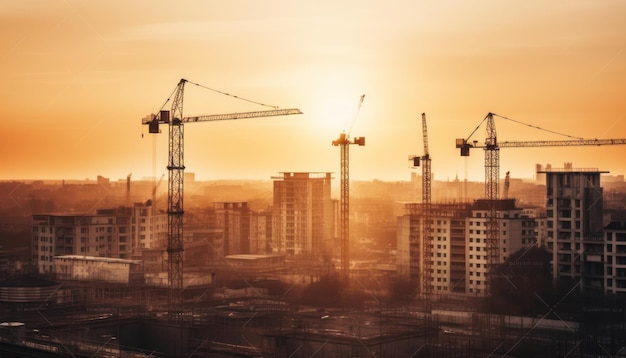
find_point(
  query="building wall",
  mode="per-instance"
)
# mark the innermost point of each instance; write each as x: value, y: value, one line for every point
x: 403, y: 257
x: 574, y: 212
x: 302, y: 220
x: 88, y: 268
x: 615, y: 253
x: 458, y: 247
x: 261, y: 233
x: 107, y: 233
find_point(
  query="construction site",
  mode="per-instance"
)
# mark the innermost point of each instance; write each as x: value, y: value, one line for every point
x: 260, y: 318
x: 131, y: 282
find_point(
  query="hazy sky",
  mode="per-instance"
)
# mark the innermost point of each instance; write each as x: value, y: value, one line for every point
x: 78, y: 76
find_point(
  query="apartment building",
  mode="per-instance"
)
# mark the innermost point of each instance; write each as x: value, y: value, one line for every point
x: 116, y: 233
x: 302, y: 220
x: 447, y: 248
x: 458, y: 244
x: 575, y: 223
x: 516, y: 231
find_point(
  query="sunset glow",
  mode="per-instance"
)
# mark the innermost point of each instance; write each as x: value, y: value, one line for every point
x: 79, y: 76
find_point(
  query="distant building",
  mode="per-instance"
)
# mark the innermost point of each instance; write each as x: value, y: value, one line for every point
x: 574, y: 210
x: 148, y: 229
x: 302, y: 220
x: 206, y: 247
x: 234, y: 219
x: 261, y: 232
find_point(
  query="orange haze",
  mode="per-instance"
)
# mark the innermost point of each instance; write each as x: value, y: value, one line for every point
x: 78, y: 76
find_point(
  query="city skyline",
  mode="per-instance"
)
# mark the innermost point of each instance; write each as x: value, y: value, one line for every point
x: 80, y: 76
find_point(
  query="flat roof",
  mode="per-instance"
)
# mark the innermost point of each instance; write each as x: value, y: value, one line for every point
x: 251, y: 256
x: 572, y: 170
x: 97, y: 258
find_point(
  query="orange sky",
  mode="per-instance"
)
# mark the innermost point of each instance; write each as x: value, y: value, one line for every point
x: 78, y: 76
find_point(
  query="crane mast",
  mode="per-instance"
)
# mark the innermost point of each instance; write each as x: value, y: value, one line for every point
x: 492, y: 169
x: 492, y: 174
x: 426, y: 251
x: 343, y: 142
x: 175, y: 190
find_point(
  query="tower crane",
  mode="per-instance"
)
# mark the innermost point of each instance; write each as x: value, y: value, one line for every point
x: 175, y: 168
x: 492, y: 169
x: 344, y: 203
x: 426, y: 210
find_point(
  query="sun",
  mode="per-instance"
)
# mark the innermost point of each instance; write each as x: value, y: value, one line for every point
x: 334, y: 111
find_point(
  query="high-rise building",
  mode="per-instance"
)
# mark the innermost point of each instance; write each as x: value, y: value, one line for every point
x: 517, y: 231
x: 302, y: 220
x: 574, y: 210
x: 447, y: 246
x: 458, y: 243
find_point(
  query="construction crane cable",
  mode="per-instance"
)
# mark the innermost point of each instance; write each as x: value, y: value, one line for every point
x: 536, y: 127
x: 168, y: 99
x: 231, y: 95
x: 356, y: 114
x: 478, y: 126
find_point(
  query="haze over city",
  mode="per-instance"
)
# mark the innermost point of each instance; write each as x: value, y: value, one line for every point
x: 79, y: 76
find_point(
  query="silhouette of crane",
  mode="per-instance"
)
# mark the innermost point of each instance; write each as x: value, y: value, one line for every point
x: 344, y: 203
x: 175, y: 168
x: 492, y: 170
x: 426, y: 241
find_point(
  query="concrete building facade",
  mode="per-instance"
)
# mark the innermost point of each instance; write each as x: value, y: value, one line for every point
x: 517, y: 231
x: 116, y: 233
x: 458, y: 246
x: 615, y: 257
x: 575, y: 222
x: 302, y: 220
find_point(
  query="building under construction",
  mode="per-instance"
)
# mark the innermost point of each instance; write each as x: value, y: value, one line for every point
x: 458, y: 243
